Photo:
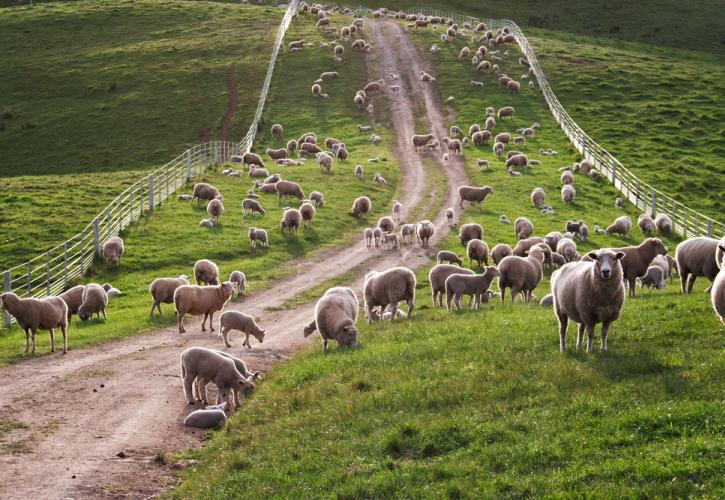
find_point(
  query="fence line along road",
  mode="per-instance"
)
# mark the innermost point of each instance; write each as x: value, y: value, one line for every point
x: 686, y: 222
x: 53, y: 271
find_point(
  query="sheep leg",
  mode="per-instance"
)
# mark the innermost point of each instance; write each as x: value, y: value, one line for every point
x: 580, y: 336
x: 683, y: 281
x: 563, y: 323
x: 211, y: 321
x: 51, y: 331
x: 180, y: 321
x: 27, y: 339
x: 188, y: 382
x: 33, y: 331
x: 411, y: 306
x: 503, y: 293
x: 632, y: 286
x: 605, y: 330
x: 435, y: 293
x: 590, y: 339
x: 64, y: 331
x: 457, y: 301
x: 104, y: 313
x: 249, y: 346
x: 203, y: 322
x: 153, y: 306
x: 324, y: 345
x: 369, y: 313
x: 393, y: 311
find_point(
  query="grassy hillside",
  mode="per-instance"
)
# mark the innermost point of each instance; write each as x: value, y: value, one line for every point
x: 169, y: 242
x: 93, y: 88
x: 481, y: 404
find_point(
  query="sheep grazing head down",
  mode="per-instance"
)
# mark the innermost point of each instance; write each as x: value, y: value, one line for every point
x: 348, y: 336
x: 246, y: 386
x: 606, y: 262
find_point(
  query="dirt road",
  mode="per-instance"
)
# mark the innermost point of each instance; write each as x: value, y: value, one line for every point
x: 82, y: 409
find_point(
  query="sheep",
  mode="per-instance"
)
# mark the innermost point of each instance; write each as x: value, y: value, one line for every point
x: 206, y: 272
x: 391, y: 241
x: 523, y: 228
x: 473, y: 194
x: 379, y: 179
x: 361, y: 206
x: 552, y: 239
x: 368, y: 235
x: 506, y: 111
x: 359, y: 171
x: 184, y: 197
x: 498, y: 148
x: 162, y: 291
x: 375, y: 86
x: 424, y: 232
x: 386, y: 224
x: 449, y: 257
x: 93, y: 300
x: 499, y: 251
x: 296, y: 44
x: 388, y: 288
x: 236, y: 320
x: 377, y: 235
x: 696, y: 257
x: 455, y: 131
x: 653, y: 277
x: 250, y: 207
x: 397, y: 210
x: 621, y: 225
x: 289, y: 188
x: 250, y: 159
x: 206, y: 418
x: 256, y: 172
x: 273, y: 179
x: 38, y: 314
x: 470, y: 231
x: 503, y: 137
x: 207, y: 365
x: 547, y: 301
x: 375, y: 138
x: 521, y: 274
x: 477, y: 250
x: 215, y: 209
x: 277, y: 130
x: 717, y: 293
x: 437, y: 278
x: 256, y: 235
x: 449, y: 217
x: 567, y: 177
x: 421, y: 140
x: 338, y: 50
x: 457, y: 285
x: 291, y: 220
x: 113, y: 250
x: 567, y: 193
x: 454, y: 145
x: 567, y: 248
x: 646, y: 224
x: 513, y: 86
x: 206, y: 223
x: 276, y: 154
x: 618, y: 203
x: 239, y: 280
x: 663, y: 223
x: 291, y: 145
x: 522, y: 246
x: 407, y: 231
x: 307, y: 210
x: 316, y: 89
x: 335, y: 317
x: 483, y: 66
x: 538, y: 196
x: 204, y: 191
x: 317, y: 198
x: 206, y: 300
x: 517, y: 160
x: 583, y: 233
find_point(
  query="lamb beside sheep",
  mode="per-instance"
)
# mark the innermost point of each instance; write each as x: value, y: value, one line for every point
x: 437, y: 278
x: 206, y: 272
x: 113, y: 250
x: 196, y: 300
x: 94, y: 300
x: 212, y: 366
x: 521, y: 274
x: 696, y: 257
x: 335, y: 317
x: 236, y: 320
x: 388, y: 288
x: 477, y: 286
x: 38, y: 314
x: 256, y: 235
x: 449, y: 257
x: 589, y: 293
x: 472, y: 194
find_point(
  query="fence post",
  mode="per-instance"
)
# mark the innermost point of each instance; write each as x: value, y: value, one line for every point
x: 83, y: 256
x: 654, y: 202
x: 30, y: 279
x: 614, y: 173
x: 188, y: 165
x: 96, y: 235
x: 47, y: 272
x: 151, y: 192
x: 130, y: 208
x: 709, y: 228
x: 8, y: 318
x: 65, y: 265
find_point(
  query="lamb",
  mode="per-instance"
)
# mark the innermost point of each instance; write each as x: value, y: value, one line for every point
x: 239, y: 280
x: 391, y: 241
x: 388, y: 288
x: 567, y: 177
x: 250, y: 159
x: 477, y: 250
x: 208, y: 365
x: 653, y: 277
x: 457, y: 285
x: 206, y: 300
x: 618, y: 203
x: 397, y: 210
x: 522, y: 246
x: 567, y: 193
x: 162, y: 291
x: 663, y: 223
x: 521, y: 274
x: 317, y: 198
x: 473, y: 194
x: 498, y: 149
x: 236, y: 320
x: 291, y: 145
x: 204, y: 191
x: 424, y: 232
x: 256, y: 172
x: 215, y: 209
x: 206, y: 272
x: 646, y: 224
x: 256, y: 235
x: 407, y: 231
x: 277, y: 130
x: 717, y: 293
x: 291, y: 220
x: 567, y: 248
x: 499, y: 251
x: 307, y: 210
x: 339, y: 50
x: 421, y: 140
x: 368, y: 235
x: 94, y: 300
x: 379, y: 179
x: 470, y: 231
x: 437, y: 278
x: 622, y: 225
x: 250, y: 207
x: 449, y: 257
x: 378, y: 235
x: 316, y: 89
x: 113, y: 250
x: 206, y: 418
x: 273, y: 179
x: 449, y: 217
x: 696, y: 257
x: 38, y: 314
x: 289, y: 188
x: 506, y: 111
x: 361, y: 206
x: 335, y: 317
x: 523, y: 228
x: 359, y: 171
x: 276, y: 154
x: 386, y: 224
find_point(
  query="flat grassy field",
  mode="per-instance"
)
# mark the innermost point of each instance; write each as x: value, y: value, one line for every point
x: 168, y: 242
x: 481, y: 403
x: 94, y: 93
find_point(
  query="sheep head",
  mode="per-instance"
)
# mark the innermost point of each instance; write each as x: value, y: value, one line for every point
x: 607, y: 263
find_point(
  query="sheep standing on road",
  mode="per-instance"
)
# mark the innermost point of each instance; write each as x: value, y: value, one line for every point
x: 335, y: 317
x: 196, y: 300
x: 209, y: 365
x: 388, y: 288
x: 589, y: 293
x: 239, y: 280
x: 38, y: 314
x: 236, y: 320
x: 424, y: 232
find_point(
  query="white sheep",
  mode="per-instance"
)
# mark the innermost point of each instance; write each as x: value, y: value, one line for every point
x: 196, y: 300
x: 162, y: 291
x: 476, y: 286
x: 206, y: 272
x: 388, y: 288
x: 113, y: 250
x: 38, y: 314
x: 236, y: 320
x: 335, y: 317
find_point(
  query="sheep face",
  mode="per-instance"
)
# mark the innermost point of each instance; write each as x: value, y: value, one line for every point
x: 606, y: 262
x: 246, y: 386
x: 348, y: 336
x: 658, y: 246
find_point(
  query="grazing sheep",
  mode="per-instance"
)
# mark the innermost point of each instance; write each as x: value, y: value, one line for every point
x: 113, y: 250
x: 162, y: 291
x: 449, y: 217
x: 424, y: 232
x: 325, y: 161
x: 208, y: 365
x: 521, y: 274
x: 359, y: 171
x: 93, y: 300
x: 361, y: 206
x: 296, y: 44
x: 206, y: 418
x: 523, y: 228
x: 618, y: 203
x: 316, y: 89
x: 276, y: 154
x: 379, y: 179
x: 498, y: 149
x: 388, y: 288
x: 437, y: 278
x: 473, y: 194
x: 457, y: 285
x: 38, y: 314
x: 717, y: 293
x: 547, y: 301
x: 499, y: 251
x: 696, y: 257
x: 278, y: 130
x: 522, y: 246
x: 256, y: 172
x: 386, y: 224
x: 653, y: 277
x: 552, y: 239
x: 378, y: 235
x: 73, y: 298
x: 250, y: 207
x: 236, y: 320
x: 646, y: 224
x: 622, y: 226
x: 249, y: 159
x: 291, y: 146
x: 421, y: 140
x: 289, y: 188
x: 586, y: 166
x: 291, y: 221
x: 663, y: 223
x: 206, y: 300
x: 506, y: 111
x: 513, y: 86
x: 239, y: 280
x: 589, y: 293
x: 567, y: 193
x: 317, y: 198
x: 206, y: 272
x: 368, y: 235
x: 567, y: 248
x: 335, y: 317
x: 477, y: 250
x: 256, y: 235
x: 449, y: 257
x: 470, y: 231
x: 517, y: 160
x: 567, y: 177
x: 215, y: 209
x: 307, y: 210
x: 204, y: 191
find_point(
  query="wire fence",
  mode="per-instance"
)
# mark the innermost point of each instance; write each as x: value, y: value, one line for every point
x: 52, y: 272
x: 686, y: 222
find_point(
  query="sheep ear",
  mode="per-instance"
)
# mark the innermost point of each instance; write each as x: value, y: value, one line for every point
x: 619, y: 256
x: 593, y: 255
x: 721, y: 248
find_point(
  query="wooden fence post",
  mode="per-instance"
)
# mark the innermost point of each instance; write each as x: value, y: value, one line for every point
x: 188, y: 165
x: 709, y: 228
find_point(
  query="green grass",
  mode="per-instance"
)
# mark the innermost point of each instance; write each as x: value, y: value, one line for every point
x: 95, y: 92
x: 482, y: 404
x: 168, y: 242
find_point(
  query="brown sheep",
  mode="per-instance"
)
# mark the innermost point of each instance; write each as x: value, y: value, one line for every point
x: 473, y: 194
x: 386, y: 224
x: 307, y: 210
x: 277, y: 130
x: 276, y: 154
x: 477, y: 250
x: 498, y: 252
x: 361, y: 206
x: 162, y: 291
x: 470, y: 231
x: 421, y: 140
x: 289, y: 188
x: 252, y: 159
x: 646, y: 224
x: 523, y: 246
x: 663, y: 223
x: 424, y: 232
x: 506, y: 111
x: 538, y: 196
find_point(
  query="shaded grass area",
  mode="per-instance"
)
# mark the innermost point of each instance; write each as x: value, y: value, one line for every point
x: 168, y: 242
x: 481, y: 403
x: 95, y: 92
